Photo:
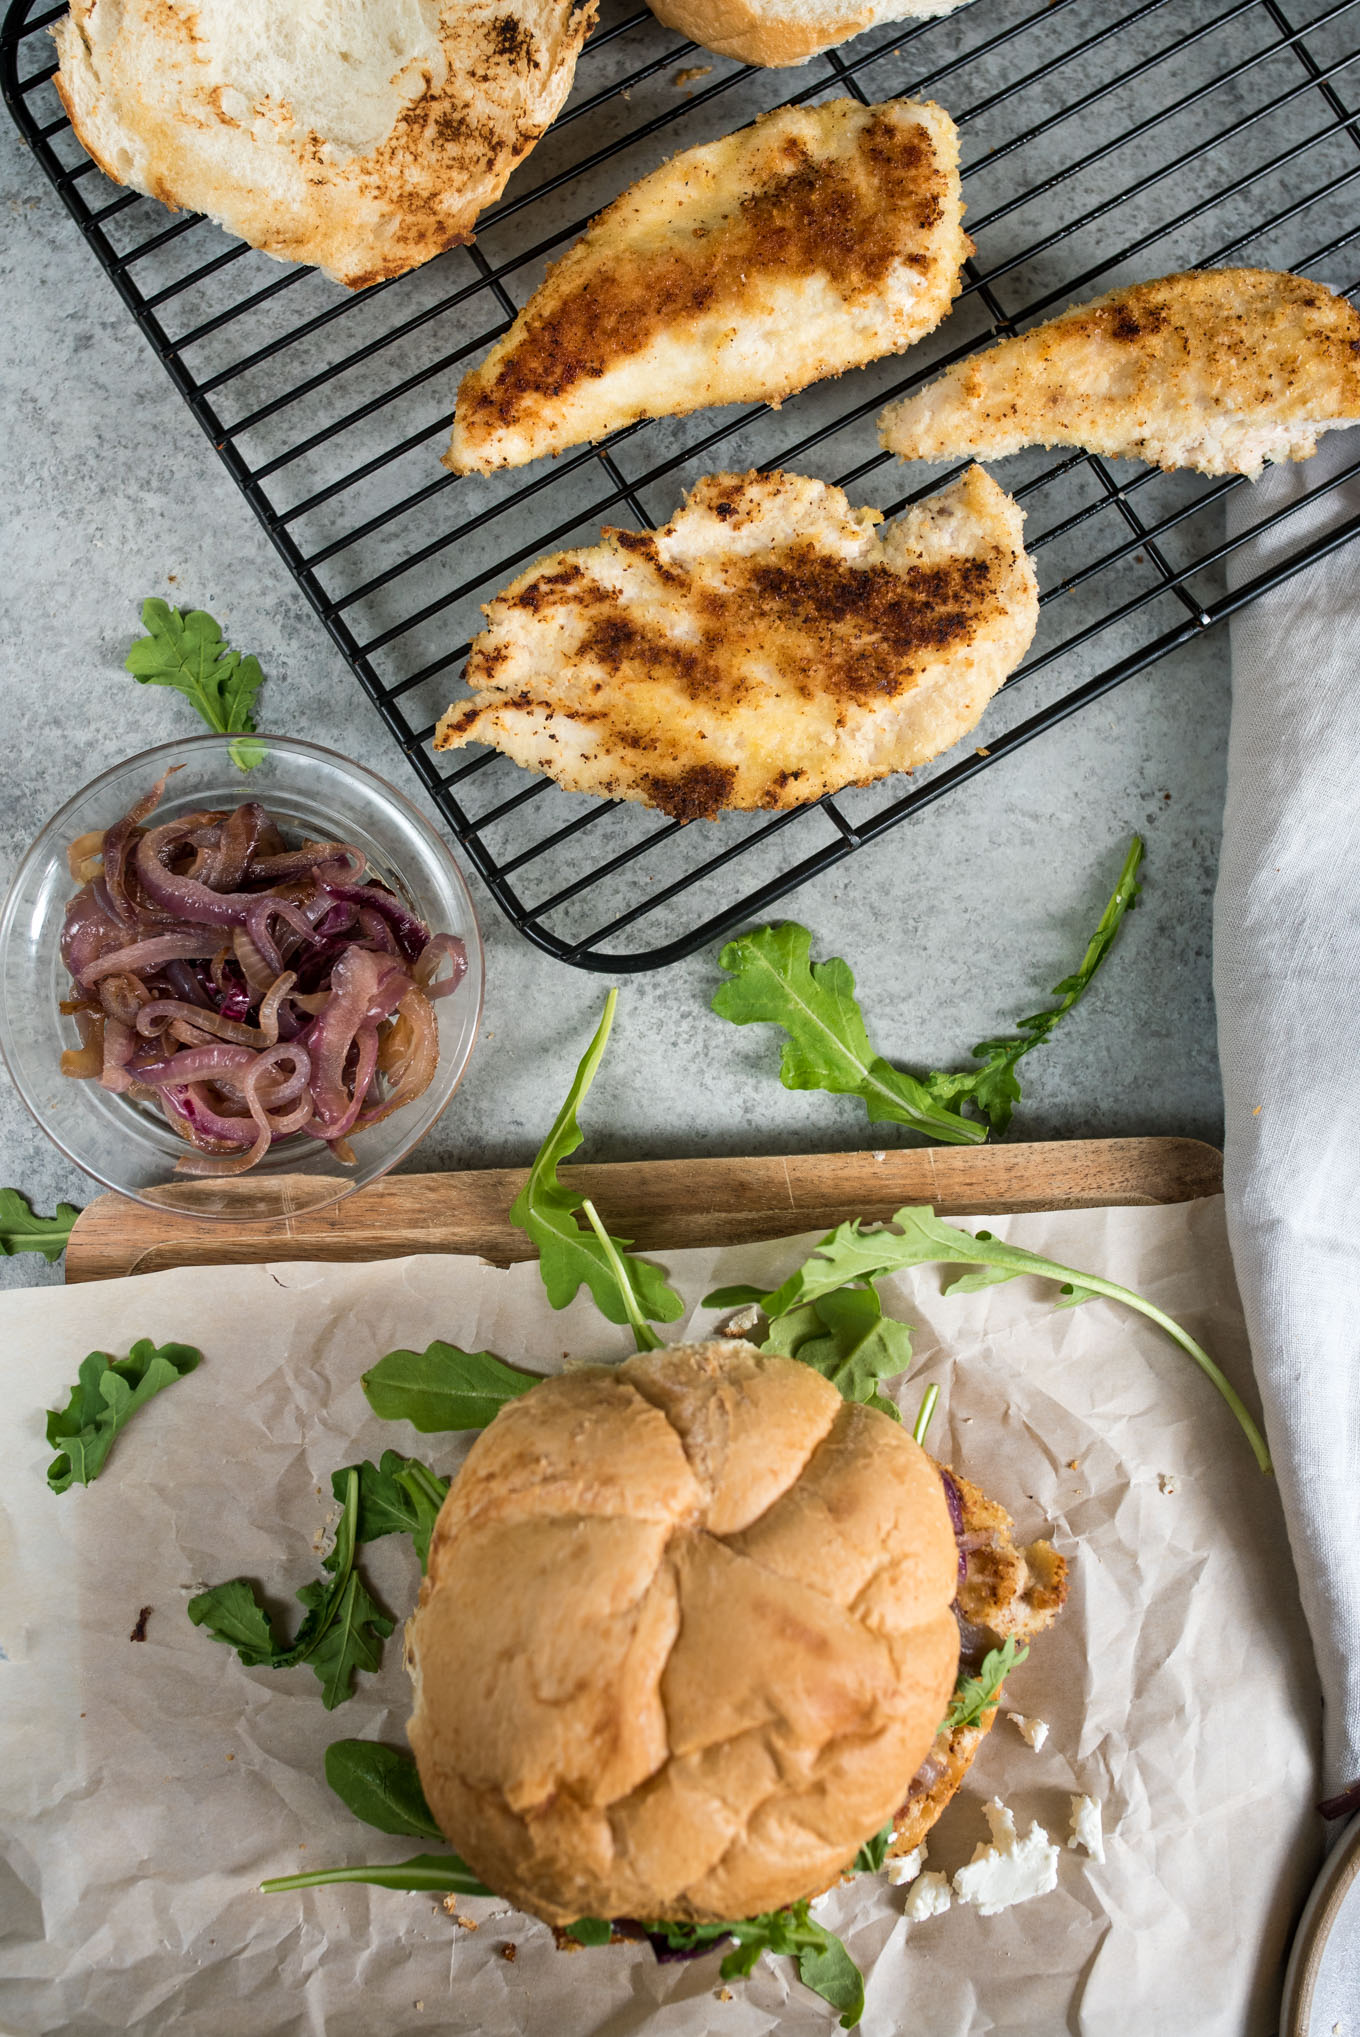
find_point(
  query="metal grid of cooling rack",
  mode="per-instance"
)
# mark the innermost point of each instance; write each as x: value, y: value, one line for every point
x: 1103, y: 142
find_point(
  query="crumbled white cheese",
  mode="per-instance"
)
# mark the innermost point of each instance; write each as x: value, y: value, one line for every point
x: 907, y: 1866
x: 745, y: 1319
x: 1033, y: 1730
x: 929, y: 1898
x: 1010, y: 1870
x: 1167, y: 1481
x: 1086, y: 1828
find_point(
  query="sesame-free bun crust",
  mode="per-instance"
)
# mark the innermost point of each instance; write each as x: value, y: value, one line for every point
x: 363, y: 136
x: 782, y: 32
x: 684, y: 1638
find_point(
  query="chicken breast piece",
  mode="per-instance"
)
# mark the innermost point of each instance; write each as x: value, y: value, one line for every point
x: 360, y: 135
x: 816, y: 240
x: 1217, y: 369
x: 764, y: 647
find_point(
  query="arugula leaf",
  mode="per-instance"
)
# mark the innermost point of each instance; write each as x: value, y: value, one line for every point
x: 351, y: 1628
x: 107, y: 1395
x: 591, y: 1931
x: 439, y: 1873
x: 926, y: 1414
x: 380, y: 1785
x: 847, y: 1338
x: 442, y: 1387
x: 974, y: 1695
x: 23, y: 1230
x: 343, y: 1628
x: 873, y: 1852
x: 919, y: 1238
x: 994, y: 1088
x: 184, y: 648
x: 824, y: 1965
x: 569, y: 1256
x: 397, y: 1496
x: 773, y: 983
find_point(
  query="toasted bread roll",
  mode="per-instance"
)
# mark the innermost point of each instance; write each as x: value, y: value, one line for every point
x: 816, y: 240
x: 763, y: 648
x: 1218, y: 369
x: 363, y: 137
x: 782, y: 32
x: 684, y: 1637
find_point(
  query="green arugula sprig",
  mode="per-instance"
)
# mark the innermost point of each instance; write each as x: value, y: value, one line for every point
x: 828, y: 1047
x: 107, y: 1395
x: 342, y: 1631
x: 873, y: 1852
x: 397, y: 1496
x: 994, y: 1089
x: 625, y: 1289
x: 381, y: 1786
x: 184, y: 648
x: 917, y: 1237
x: 847, y: 1338
x: 772, y: 982
x: 824, y: 1965
x: 23, y: 1230
x: 974, y: 1695
x: 443, y: 1388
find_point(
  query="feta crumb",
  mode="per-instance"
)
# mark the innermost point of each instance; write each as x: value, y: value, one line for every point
x: 1010, y: 1870
x: 907, y: 1866
x: 1033, y: 1730
x: 745, y: 1319
x: 929, y: 1898
x: 1167, y: 1481
x: 1086, y: 1828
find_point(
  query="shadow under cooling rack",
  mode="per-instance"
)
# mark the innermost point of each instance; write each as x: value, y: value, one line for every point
x: 1102, y: 143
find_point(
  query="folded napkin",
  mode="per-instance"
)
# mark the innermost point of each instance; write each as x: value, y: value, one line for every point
x: 1287, y: 983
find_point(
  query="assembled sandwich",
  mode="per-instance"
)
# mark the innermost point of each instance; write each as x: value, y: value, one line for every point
x: 688, y: 1633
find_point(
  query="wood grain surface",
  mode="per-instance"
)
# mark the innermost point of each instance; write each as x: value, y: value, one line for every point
x: 657, y: 1203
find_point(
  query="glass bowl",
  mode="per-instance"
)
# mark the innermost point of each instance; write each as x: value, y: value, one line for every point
x: 128, y: 1146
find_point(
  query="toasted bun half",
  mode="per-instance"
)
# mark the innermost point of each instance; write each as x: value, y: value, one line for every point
x: 777, y: 33
x: 684, y: 1639
x: 363, y: 136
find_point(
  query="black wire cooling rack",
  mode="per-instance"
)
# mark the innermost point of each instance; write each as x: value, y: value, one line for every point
x: 1103, y: 142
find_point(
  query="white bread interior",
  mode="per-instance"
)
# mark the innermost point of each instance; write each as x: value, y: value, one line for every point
x: 363, y: 136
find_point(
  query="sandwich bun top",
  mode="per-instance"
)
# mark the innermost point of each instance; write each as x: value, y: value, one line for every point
x: 684, y: 1637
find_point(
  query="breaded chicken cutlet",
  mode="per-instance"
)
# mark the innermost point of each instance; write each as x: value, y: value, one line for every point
x: 818, y: 239
x: 1217, y: 369
x: 1006, y: 1593
x: 765, y: 647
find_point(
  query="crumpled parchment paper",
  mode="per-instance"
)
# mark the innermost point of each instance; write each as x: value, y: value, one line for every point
x: 147, y: 1788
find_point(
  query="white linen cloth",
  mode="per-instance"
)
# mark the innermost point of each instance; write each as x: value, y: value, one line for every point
x: 1287, y: 984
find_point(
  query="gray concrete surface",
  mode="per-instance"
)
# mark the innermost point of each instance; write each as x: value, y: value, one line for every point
x: 956, y: 924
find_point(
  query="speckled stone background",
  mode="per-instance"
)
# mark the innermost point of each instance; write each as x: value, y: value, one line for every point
x: 955, y: 925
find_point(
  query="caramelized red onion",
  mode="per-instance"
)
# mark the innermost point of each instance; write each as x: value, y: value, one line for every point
x: 248, y: 990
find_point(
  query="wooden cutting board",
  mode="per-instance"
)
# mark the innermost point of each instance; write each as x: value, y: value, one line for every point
x: 657, y: 1203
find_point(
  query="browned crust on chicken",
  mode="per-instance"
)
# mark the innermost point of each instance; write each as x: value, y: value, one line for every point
x: 1010, y: 1593
x: 763, y: 648
x: 1218, y: 370
x: 853, y: 219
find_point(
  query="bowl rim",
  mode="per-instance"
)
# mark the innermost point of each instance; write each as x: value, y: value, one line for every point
x: 38, y: 854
